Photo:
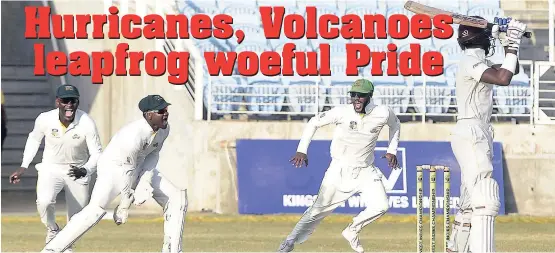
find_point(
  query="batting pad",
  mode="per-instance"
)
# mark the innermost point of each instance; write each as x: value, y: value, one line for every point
x: 461, y: 232
x: 79, y: 224
x: 485, y: 198
x: 178, y: 205
x: 482, y: 234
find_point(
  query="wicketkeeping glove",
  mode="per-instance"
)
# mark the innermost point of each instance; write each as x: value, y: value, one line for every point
x: 77, y: 172
x: 122, y: 210
x: 515, y: 31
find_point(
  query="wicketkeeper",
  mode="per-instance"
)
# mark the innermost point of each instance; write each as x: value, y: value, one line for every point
x: 134, y: 149
x: 172, y: 199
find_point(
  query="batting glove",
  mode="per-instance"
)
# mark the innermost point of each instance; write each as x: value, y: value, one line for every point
x: 502, y: 23
x: 501, y: 34
x: 515, y: 31
x: 495, y: 31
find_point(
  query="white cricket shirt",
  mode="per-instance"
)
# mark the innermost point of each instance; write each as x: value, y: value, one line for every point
x: 78, y: 144
x: 136, y: 145
x: 474, y: 98
x: 355, y: 135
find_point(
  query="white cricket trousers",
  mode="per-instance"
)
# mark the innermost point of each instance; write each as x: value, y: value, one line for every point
x: 339, y: 184
x: 472, y: 145
x: 110, y: 182
x: 52, y: 178
x: 174, y: 203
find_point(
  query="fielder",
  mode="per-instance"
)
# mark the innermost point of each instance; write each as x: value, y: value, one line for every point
x: 72, y: 147
x: 132, y: 150
x: 472, y: 137
x: 172, y: 199
x: 351, y: 170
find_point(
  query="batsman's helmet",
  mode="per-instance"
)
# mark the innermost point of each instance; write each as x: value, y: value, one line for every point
x: 475, y: 37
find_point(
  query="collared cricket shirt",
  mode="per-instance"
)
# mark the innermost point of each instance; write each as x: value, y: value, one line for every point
x: 78, y: 144
x: 474, y: 98
x: 132, y: 144
x: 355, y: 135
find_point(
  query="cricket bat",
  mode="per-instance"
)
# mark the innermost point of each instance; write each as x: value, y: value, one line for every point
x: 457, y: 18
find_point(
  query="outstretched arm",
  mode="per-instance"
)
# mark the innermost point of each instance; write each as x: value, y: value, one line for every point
x: 394, y: 132
x: 31, y: 147
x: 33, y: 143
x: 319, y: 120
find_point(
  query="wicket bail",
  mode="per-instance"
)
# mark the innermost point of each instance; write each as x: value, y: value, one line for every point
x: 446, y: 205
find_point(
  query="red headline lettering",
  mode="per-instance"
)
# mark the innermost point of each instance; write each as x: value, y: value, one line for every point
x: 41, y: 24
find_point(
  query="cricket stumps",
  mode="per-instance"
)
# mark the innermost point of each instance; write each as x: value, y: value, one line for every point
x: 432, y: 205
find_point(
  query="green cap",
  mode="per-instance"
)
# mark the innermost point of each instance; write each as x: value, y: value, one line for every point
x: 152, y: 103
x: 67, y: 91
x: 362, y: 86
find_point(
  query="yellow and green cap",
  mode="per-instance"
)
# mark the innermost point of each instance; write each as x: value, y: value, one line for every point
x: 362, y: 86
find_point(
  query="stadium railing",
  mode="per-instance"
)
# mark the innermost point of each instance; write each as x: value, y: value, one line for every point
x: 416, y: 98
x: 263, y: 97
x: 544, y: 93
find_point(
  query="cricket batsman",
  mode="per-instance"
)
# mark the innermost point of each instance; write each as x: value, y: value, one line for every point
x: 472, y: 136
x: 132, y: 151
x: 172, y: 200
x: 72, y: 148
x: 351, y: 170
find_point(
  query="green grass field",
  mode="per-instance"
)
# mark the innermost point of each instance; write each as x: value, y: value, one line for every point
x: 217, y: 233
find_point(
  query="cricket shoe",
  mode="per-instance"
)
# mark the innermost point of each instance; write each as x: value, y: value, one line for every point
x: 352, y: 237
x: 51, y: 233
x: 287, y: 246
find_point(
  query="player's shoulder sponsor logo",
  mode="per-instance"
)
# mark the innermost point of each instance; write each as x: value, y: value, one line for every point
x: 55, y: 132
x: 76, y: 137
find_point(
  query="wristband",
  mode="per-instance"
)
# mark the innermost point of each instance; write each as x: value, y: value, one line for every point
x: 510, y: 62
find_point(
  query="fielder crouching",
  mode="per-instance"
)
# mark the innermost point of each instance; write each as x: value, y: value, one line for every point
x: 172, y: 199
x: 351, y: 170
x: 134, y: 149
